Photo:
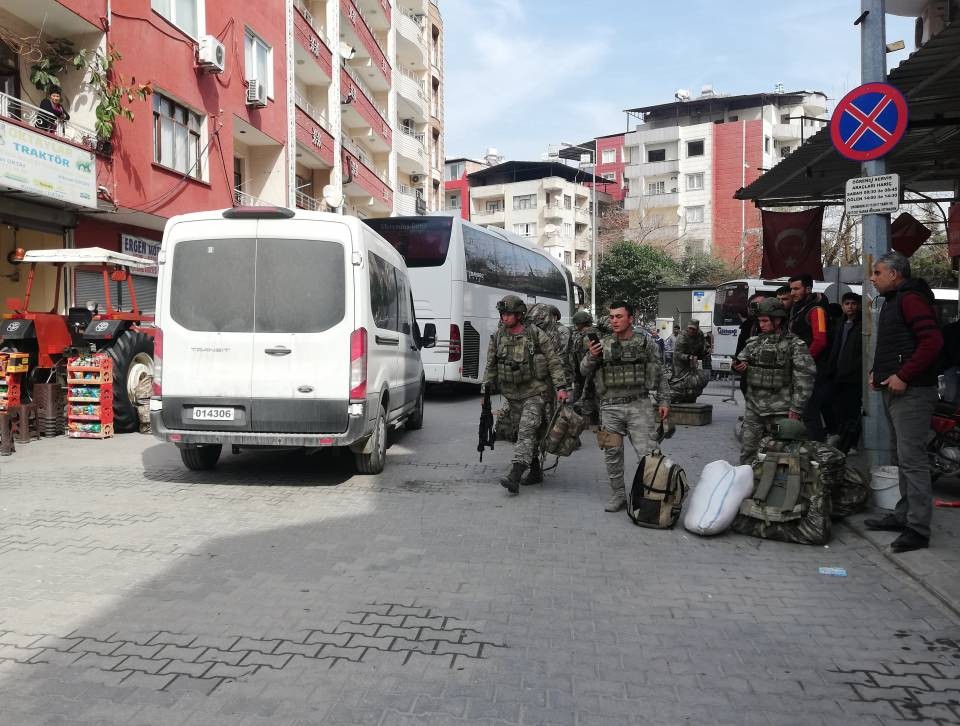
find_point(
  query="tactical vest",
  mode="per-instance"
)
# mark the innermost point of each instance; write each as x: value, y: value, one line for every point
x: 626, y: 364
x: 896, y: 343
x: 800, y: 319
x: 518, y: 361
x: 770, y: 365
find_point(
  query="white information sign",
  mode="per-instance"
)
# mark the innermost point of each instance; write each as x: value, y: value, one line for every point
x: 140, y: 247
x: 873, y: 194
x: 38, y: 163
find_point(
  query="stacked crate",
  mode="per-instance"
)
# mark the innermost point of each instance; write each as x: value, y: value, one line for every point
x: 12, y: 368
x: 90, y: 397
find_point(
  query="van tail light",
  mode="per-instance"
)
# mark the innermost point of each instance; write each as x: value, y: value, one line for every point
x: 157, y: 362
x: 455, y: 346
x: 358, y: 364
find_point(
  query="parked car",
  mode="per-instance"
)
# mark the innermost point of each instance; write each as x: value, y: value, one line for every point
x: 283, y: 329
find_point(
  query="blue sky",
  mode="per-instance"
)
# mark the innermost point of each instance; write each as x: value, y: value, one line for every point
x: 524, y: 73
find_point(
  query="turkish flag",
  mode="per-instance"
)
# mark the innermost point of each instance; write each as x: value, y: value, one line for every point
x: 907, y: 234
x: 953, y: 230
x: 791, y: 243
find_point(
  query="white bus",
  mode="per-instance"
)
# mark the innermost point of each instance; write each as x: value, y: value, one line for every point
x: 458, y: 271
x: 731, y: 304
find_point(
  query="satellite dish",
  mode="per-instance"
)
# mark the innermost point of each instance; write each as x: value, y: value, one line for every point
x: 332, y: 196
x: 549, y: 229
x: 347, y: 51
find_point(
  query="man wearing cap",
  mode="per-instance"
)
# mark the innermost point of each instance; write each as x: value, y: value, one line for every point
x: 780, y: 373
x: 522, y: 363
x: 585, y: 393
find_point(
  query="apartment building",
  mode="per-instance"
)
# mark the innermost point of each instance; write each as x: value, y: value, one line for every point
x: 546, y: 201
x: 609, y: 150
x: 283, y: 102
x: 685, y: 160
x: 456, y: 185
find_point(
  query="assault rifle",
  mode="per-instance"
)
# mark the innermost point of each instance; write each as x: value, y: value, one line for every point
x: 487, y: 435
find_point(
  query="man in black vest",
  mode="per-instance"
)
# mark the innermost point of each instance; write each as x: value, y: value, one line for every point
x: 808, y: 321
x: 905, y: 369
x: 844, y: 368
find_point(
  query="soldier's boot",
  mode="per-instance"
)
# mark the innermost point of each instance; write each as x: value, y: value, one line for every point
x: 535, y: 475
x: 511, y: 482
x: 617, y: 501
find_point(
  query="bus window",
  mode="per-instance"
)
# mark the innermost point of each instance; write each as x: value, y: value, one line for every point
x: 730, y: 306
x: 422, y: 242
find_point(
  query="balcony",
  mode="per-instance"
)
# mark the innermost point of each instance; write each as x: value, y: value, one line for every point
x: 360, y: 36
x: 411, y: 154
x: 411, y: 89
x: 411, y: 45
x: 50, y: 165
x: 656, y: 201
x: 363, y: 184
x: 313, y: 137
x: 659, y: 168
x: 583, y: 242
x: 553, y: 211
x: 553, y: 183
x: 644, y: 135
x: 377, y: 13
x: 305, y: 201
x: 362, y: 112
x: 486, y: 192
x: 243, y: 199
x: 787, y: 132
x: 408, y: 201
x: 487, y: 216
x: 314, y: 61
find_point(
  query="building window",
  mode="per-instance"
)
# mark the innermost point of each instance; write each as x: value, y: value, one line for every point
x: 693, y: 215
x: 494, y: 207
x: 176, y: 137
x: 566, y: 258
x: 694, y: 247
x: 695, y: 148
x: 182, y: 13
x: 733, y: 118
x: 525, y: 201
x: 567, y: 230
x: 609, y: 176
x: 455, y: 171
x: 784, y: 118
x: 567, y: 201
x: 694, y: 182
x: 629, y: 153
x: 259, y: 61
x: 525, y: 229
x: 784, y: 152
x: 657, y: 154
x: 657, y: 187
x: 626, y: 185
x: 608, y: 156
x: 766, y: 144
x: 453, y: 201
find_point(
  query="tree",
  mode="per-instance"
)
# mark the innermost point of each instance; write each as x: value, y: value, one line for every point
x: 633, y: 273
x: 702, y: 269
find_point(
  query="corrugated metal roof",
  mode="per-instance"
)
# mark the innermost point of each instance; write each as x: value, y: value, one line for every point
x: 927, y: 158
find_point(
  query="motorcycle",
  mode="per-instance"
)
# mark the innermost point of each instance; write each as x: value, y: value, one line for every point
x: 944, y: 445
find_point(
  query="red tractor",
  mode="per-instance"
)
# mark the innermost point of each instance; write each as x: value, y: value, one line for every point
x: 50, y: 338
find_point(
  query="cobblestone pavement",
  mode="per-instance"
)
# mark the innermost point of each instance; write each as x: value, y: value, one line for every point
x: 282, y: 589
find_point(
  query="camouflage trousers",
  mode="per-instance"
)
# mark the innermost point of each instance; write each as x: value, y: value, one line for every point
x: 533, y: 413
x: 755, y: 427
x: 585, y: 398
x: 634, y: 420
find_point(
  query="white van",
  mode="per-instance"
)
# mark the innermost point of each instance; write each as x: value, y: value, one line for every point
x: 283, y: 329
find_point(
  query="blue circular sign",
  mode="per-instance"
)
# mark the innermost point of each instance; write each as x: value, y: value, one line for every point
x: 869, y: 121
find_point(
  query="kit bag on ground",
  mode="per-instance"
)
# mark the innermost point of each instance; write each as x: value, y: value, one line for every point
x: 717, y: 497
x: 563, y: 433
x: 657, y: 493
x: 791, y: 497
x: 849, y: 494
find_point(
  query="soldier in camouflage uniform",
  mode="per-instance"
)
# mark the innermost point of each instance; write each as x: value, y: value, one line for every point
x: 585, y: 394
x: 522, y: 363
x: 688, y: 381
x: 626, y: 366
x: 780, y: 375
x: 543, y: 317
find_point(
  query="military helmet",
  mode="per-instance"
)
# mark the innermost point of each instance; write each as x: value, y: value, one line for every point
x: 603, y: 324
x: 582, y: 317
x: 512, y: 304
x: 788, y: 429
x: 771, y: 308
x: 555, y: 312
x: 539, y: 314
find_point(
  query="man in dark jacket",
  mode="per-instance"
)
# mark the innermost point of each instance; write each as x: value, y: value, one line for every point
x: 808, y: 321
x: 749, y: 327
x: 845, y: 375
x: 905, y: 369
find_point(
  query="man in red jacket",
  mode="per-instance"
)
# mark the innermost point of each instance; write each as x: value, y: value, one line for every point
x: 808, y: 321
x: 905, y: 369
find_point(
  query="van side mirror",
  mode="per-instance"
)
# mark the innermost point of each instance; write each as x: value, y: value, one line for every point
x: 429, y: 337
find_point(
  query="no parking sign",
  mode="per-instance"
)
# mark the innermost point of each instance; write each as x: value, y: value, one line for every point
x: 869, y: 121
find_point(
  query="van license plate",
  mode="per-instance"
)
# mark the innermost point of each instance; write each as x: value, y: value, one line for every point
x: 207, y: 413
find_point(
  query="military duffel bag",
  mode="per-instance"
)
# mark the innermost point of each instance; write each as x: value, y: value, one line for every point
x: 657, y: 493
x: 563, y: 433
x: 507, y: 426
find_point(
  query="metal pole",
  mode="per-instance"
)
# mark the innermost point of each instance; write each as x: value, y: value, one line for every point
x: 593, y: 252
x: 876, y: 235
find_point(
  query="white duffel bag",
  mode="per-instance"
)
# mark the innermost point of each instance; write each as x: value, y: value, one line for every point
x: 717, y: 497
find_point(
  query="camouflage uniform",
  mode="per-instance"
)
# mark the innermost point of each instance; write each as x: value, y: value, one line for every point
x: 540, y: 315
x: 526, y: 369
x: 585, y: 395
x: 624, y: 376
x: 688, y: 380
x: 780, y: 375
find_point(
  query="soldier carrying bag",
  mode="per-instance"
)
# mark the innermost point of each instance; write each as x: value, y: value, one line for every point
x: 563, y: 433
x: 657, y: 493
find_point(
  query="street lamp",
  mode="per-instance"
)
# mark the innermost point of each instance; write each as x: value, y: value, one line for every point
x: 593, y: 236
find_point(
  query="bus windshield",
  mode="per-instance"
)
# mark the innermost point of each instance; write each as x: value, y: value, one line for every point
x: 423, y: 241
x: 730, y: 306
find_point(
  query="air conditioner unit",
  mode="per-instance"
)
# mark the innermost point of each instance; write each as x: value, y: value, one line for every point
x: 256, y: 93
x: 212, y: 56
x: 416, y: 178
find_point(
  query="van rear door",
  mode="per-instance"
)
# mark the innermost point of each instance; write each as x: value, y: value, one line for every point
x: 208, y: 321
x: 304, y: 318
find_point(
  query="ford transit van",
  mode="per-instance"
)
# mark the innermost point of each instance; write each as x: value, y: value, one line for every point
x: 283, y: 329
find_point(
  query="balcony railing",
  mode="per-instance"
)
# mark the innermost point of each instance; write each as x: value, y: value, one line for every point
x: 13, y: 108
x: 314, y: 112
x: 357, y: 20
x: 366, y: 90
x: 416, y: 135
x: 305, y: 201
x: 248, y: 200
x: 354, y: 148
x: 320, y: 29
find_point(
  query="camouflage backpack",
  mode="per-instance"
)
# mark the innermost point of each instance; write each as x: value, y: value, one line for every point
x: 563, y: 433
x: 791, y: 498
x: 657, y: 493
x: 849, y: 493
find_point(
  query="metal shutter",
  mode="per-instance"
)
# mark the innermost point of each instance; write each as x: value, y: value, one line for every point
x: 89, y: 286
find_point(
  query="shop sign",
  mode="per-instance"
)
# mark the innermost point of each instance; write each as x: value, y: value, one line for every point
x: 140, y: 247
x: 35, y: 163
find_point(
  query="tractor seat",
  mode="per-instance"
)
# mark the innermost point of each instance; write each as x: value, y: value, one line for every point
x: 78, y: 319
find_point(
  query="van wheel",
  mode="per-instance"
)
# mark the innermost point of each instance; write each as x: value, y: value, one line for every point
x: 132, y: 356
x: 373, y: 462
x: 415, y: 421
x: 201, y: 458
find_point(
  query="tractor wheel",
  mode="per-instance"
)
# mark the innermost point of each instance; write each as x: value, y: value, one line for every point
x: 132, y: 356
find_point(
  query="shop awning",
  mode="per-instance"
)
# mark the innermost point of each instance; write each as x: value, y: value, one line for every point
x: 927, y: 158
x: 87, y: 256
